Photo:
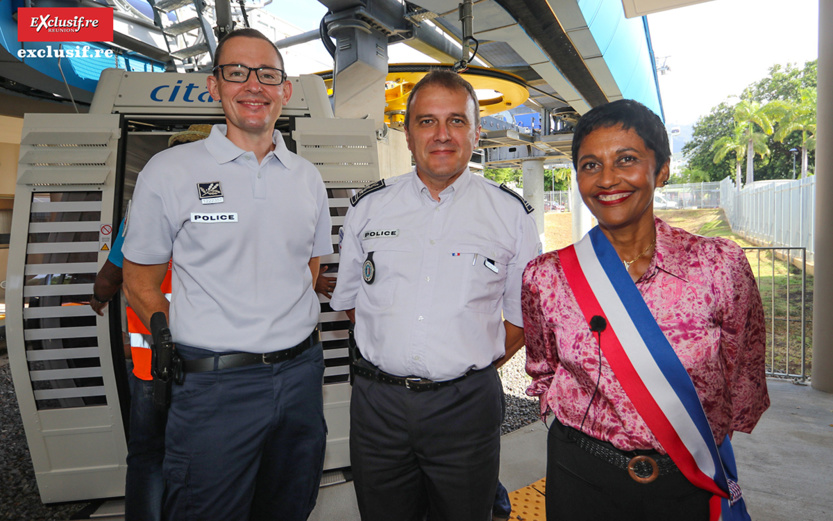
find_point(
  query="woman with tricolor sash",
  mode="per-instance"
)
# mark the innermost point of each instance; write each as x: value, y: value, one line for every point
x: 644, y: 341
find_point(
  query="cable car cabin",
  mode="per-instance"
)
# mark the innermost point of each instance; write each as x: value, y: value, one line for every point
x: 75, y: 179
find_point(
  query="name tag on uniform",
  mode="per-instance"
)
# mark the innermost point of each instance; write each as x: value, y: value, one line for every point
x: 375, y: 234
x: 210, y: 193
x: 226, y: 217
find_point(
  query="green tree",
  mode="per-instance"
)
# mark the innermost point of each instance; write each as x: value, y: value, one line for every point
x: 509, y: 176
x: 690, y: 175
x: 708, y: 130
x: 557, y: 180
x: 749, y: 116
x: 735, y: 144
x: 782, y: 83
x: 800, y: 117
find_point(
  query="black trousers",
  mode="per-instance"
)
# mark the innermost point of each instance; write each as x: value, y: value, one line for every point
x: 430, y: 452
x: 582, y: 487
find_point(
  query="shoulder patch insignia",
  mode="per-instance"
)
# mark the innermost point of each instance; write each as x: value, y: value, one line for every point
x: 369, y: 189
x: 527, y: 207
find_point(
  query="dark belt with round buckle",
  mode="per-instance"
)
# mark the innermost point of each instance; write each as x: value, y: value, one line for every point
x: 642, y: 468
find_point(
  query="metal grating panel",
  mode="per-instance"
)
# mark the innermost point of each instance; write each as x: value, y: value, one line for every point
x: 343, y: 150
x: 57, y: 284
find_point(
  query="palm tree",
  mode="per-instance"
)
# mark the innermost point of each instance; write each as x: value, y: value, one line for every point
x: 734, y: 144
x: 800, y: 117
x: 749, y: 115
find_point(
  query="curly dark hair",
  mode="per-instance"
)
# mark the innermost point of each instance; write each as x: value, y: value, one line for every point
x: 631, y: 115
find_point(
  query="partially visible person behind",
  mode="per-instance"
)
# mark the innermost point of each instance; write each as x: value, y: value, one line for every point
x: 644, y: 341
x: 144, y: 485
x: 244, y: 221
x: 325, y: 285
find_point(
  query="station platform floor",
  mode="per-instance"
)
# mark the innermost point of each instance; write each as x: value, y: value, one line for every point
x: 785, y: 465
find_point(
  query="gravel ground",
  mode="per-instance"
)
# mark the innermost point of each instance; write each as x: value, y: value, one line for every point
x: 19, y: 499
x: 521, y: 410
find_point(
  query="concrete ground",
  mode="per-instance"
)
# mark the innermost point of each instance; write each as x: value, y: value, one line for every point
x: 785, y: 465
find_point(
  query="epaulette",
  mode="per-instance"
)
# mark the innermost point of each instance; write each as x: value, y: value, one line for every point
x: 369, y: 189
x: 528, y: 207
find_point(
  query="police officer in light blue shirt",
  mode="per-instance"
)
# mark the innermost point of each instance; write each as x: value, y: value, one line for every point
x: 430, y: 263
x: 245, y: 222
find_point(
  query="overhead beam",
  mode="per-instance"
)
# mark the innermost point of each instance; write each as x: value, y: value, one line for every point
x: 550, y: 36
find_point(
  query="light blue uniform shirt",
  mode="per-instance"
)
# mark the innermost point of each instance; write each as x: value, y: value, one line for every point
x: 116, y: 256
x: 241, y: 235
x: 443, y: 274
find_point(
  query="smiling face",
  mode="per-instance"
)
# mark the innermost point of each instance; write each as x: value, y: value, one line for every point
x: 441, y: 134
x: 251, y: 108
x: 617, y: 175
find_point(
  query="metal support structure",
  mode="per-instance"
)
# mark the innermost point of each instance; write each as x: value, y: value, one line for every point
x: 582, y: 218
x: 823, y: 281
x: 533, y: 172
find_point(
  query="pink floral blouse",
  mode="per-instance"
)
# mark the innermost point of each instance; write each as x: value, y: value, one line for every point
x: 704, y: 297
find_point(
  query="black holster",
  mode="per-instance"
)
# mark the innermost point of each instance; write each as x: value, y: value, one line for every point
x: 165, y: 364
x: 352, y: 350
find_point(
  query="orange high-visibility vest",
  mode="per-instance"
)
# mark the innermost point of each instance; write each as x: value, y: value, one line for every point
x: 140, y: 337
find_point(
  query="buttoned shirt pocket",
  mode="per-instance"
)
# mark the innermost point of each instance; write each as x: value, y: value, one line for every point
x: 384, y: 265
x: 483, y: 277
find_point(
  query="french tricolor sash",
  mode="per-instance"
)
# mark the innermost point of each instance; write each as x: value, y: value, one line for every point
x: 651, y: 373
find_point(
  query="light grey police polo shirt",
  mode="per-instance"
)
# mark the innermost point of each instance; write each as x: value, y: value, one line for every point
x: 241, y: 235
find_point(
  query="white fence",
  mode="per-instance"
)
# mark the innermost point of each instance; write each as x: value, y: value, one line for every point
x: 773, y: 213
x: 558, y: 201
x: 693, y: 195
x: 689, y: 195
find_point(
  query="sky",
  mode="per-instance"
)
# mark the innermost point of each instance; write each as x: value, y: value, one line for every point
x: 713, y: 50
x: 716, y: 49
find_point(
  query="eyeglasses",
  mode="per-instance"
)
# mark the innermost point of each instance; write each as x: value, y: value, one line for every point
x: 236, y: 73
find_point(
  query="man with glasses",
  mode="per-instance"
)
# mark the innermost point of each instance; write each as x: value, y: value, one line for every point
x: 245, y: 221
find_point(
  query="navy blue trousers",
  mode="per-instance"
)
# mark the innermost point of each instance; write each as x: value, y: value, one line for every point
x: 246, y: 443
x: 145, y: 452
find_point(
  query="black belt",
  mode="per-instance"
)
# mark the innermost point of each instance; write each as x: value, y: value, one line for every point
x: 643, y: 468
x: 365, y: 369
x: 228, y: 361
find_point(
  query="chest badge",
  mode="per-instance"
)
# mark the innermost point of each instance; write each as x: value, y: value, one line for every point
x: 210, y: 193
x: 369, y: 269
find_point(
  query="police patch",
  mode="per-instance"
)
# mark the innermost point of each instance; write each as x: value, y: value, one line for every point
x: 369, y: 189
x: 527, y: 207
x: 210, y: 193
x: 211, y: 218
x: 376, y: 234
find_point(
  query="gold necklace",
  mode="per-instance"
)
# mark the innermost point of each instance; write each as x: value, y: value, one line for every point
x: 646, y: 250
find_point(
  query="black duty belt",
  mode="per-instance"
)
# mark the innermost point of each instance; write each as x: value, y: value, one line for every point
x: 365, y: 369
x: 228, y: 361
x: 642, y: 468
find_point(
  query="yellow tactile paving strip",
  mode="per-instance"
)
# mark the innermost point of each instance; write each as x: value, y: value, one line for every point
x: 528, y: 502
